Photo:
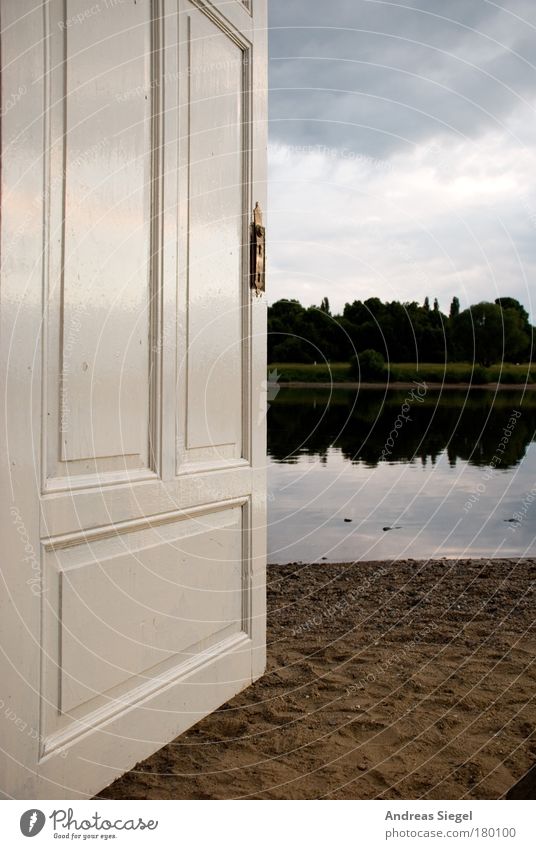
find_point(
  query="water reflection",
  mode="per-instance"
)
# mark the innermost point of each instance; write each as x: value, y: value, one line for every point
x: 466, y: 425
x: 458, y: 468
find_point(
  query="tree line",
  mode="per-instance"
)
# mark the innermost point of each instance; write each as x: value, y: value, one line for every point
x: 485, y: 333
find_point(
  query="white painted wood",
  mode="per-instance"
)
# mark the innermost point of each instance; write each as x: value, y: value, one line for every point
x: 132, y: 456
x: 211, y: 172
x: 105, y: 249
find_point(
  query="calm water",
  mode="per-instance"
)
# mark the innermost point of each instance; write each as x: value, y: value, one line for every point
x: 423, y: 467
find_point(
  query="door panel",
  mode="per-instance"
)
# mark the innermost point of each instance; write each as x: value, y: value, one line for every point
x: 213, y: 307
x: 136, y: 605
x: 176, y: 585
x: 99, y: 238
x: 106, y: 245
x: 133, y: 456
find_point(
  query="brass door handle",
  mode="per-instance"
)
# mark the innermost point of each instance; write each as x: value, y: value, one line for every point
x: 258, y: 252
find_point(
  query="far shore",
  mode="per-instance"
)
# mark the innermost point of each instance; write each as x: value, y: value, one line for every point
x: 491, y: 387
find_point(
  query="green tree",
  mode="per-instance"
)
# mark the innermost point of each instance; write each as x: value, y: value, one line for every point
x: 293, y: 350
x: 408, y: 332
x: 485, y: 333
x: 455, y: 307
x: 368, y: 365
x: 513, y: 304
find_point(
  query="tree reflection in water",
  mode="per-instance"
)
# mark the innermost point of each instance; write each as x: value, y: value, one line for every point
x: 467, y: 425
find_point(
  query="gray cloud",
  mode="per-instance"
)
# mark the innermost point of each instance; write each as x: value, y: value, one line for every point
x: 403, y: 149
x: 379, y: 77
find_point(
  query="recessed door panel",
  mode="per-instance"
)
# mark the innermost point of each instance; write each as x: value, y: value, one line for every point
x: 213, y: 304
x: 135, y: 600
x: 99, y: 241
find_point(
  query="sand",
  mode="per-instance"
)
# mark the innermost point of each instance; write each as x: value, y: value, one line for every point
x: 402, y: 680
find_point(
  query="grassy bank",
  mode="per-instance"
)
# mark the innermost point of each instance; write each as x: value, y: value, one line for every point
x: 407, y: 372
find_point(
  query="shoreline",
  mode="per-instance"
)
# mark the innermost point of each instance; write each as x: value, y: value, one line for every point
x: 490, y: 387
x: 385, y: 680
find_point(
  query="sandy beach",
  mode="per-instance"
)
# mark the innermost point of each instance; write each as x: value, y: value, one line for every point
x: 404, y: 680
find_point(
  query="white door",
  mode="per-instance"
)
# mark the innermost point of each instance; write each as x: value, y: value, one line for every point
x: 133, y: 362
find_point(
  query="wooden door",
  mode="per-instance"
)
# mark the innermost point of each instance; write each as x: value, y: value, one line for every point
x: 132, y: 586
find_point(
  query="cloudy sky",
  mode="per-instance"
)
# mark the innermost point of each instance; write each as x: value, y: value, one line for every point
x: 402, y: 150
